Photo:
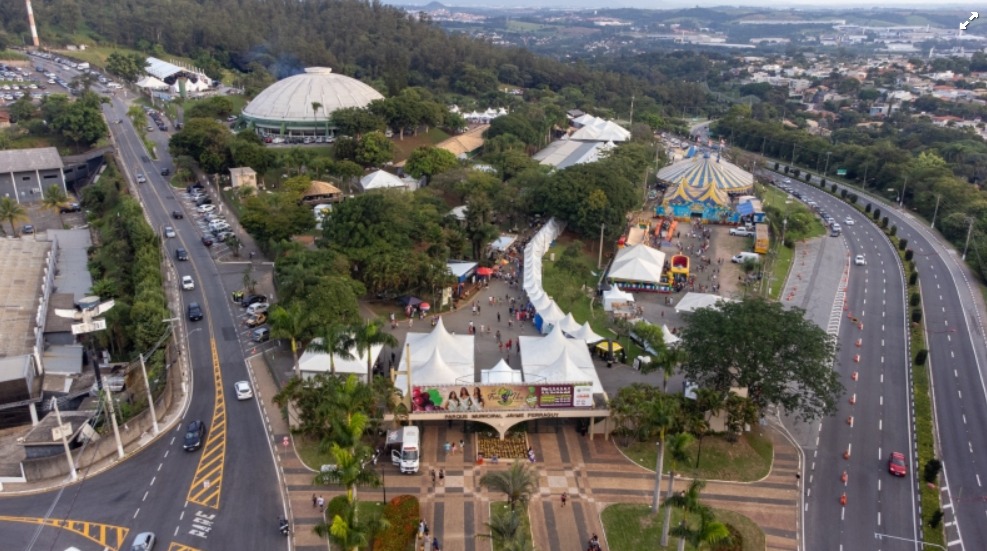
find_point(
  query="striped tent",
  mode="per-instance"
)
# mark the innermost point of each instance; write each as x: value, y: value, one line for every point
x: 704, y: 170
x: 709, y: 203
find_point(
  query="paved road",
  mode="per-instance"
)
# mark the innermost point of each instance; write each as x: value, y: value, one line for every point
x: 201, y: 499
x: 868, y: 318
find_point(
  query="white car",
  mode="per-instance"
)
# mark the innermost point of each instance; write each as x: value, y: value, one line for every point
x: 243, y: 391
x: 258, y: 308
x: 206, y: 208
x: 859, y: 260
x: 140, y: 178
x: 187, y: 283
x: 848, y: 221
x: 742, y: 232
x: 169, y: 231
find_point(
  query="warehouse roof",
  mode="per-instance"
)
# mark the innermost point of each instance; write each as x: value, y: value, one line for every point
x: 25, y: 160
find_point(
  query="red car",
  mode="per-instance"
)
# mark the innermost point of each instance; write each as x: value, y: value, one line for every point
x: 896, y: 464
x: 206, y: 241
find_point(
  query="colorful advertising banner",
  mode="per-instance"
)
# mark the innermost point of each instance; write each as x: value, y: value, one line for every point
x: 507, y: 397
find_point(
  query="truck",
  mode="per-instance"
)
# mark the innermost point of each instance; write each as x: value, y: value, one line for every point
x: 405, y: 446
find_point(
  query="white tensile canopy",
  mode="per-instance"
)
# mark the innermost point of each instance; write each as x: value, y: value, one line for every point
x: 381, y: 179
x: 586, y: 334
x: 568, y: 324
x: 556, y: 359
x: 541, y: 301
x: 501, y: 374
x: 551, y: 315
x: 615, y: 296
x: 638, y: 263
x: 694, y: 301
x: 670, y: 338
x: 437, y: 358
x: 313, y: 362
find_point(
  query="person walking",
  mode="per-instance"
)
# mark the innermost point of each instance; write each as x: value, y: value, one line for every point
x: 315, y: 501
x: 442, y: 476
x: 564, y: 497
x: 322, y: 504
x: 498, y: 317
x: 433, y: 476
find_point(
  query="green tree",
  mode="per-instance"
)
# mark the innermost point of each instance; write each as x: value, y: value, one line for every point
x: 429, y: 161
x: 354, y: 121
x: 335, y: 340
x: 275, y: 217
x: 662, y: 415
x: 709, y: 531
x: 677, y: 445
x: 22, y: 110
x: 293, y: 323
x: 205, y: 140
x: 53, y: 200
x: 128, y: 66
x: 776, y: 354
x: 516, y: 483
x: 12, y: 212
x: 374, y: 149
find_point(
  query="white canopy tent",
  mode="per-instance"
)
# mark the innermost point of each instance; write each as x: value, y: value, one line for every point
x: 437, y: 357
x: 568, y: 324
x: 503, y: 242
x: 638, y: 263
x: 670, y: 338
x: 556, y: 359
x: 381, y: 179
x: 313, y: 362
x: 694, y: 301
x: 501, y: 374
x: 586, y: 334
x: 615, y: 297
x: 551, y: 315
x: 541, y: 302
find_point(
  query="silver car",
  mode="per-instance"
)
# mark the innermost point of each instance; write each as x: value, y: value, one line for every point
x: 143, y: 542
x: 243, y: 391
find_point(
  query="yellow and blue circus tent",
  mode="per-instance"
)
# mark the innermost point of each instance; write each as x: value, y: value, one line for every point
x: 687, y: 202
x: 706, y: 170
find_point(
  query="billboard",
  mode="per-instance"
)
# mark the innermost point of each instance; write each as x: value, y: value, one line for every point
x: 495, y: 398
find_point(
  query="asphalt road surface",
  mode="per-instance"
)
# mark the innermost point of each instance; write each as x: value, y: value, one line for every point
x: 225, y: 495
x: 849, y: 457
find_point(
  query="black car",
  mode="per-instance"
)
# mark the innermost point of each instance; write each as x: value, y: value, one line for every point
x: 165, y: 171
x: 195, y: 435
x: 70, y: 207
x: 194, y: 311
x: 251, y: 299
x: 177, y: 214
x: 181, y: 254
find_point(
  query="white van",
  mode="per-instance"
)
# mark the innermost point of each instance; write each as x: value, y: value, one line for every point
x: 406, y: 450
x: 740, y: 258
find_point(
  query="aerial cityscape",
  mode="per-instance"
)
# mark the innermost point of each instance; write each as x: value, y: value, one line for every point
x: 338, y: 274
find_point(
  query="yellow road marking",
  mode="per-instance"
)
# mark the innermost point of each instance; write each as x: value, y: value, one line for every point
x: 208, y: 480
x: 107, y: 535
x: 175, y: 546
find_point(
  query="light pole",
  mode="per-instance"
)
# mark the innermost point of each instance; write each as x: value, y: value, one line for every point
x: 826, y: 172
x: 150, y: 398
x: 599, y: 260
x: 65, y: 431
x: 879, y: 536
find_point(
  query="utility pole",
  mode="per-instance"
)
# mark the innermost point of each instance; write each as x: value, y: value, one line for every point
x: 632, y: 112
x: 935, y: 212
x: 150, y: 398
x: 901, y: 200
x: 826, y: 172
x: 794, y: 148
x: 969, y: 232
x: 65, y: 431
x: 599, y: 261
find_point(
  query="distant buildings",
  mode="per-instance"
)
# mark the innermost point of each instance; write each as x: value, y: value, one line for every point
x: 26, y: 173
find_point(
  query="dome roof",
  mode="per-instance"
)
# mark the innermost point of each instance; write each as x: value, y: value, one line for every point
x: 705, y: 170
x: 291, y: 99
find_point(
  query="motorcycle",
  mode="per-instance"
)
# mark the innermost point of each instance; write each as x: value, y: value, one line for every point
x: 283, y: 526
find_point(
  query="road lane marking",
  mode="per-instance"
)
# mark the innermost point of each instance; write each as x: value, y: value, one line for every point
x: 175, y: 546
x: 207, y: 483
x: 107, y: 535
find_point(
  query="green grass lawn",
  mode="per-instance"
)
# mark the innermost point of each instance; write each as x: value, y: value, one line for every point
x: 632, y: 527
x: 403, y: 148
x: 780, y: 267
x: 748, y: 459
x: 310, y: 454
x: 502, y: 509
x: 11, y: 55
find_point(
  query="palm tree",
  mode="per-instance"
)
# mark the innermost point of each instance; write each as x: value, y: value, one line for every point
x: 54, y: 198
x: 369, y: 334
x: 662, y: 415
x: 710, y: 530
x: 709, y: 402
x: 506, y: 532
x: 351, y: 467
x: 517, y: 483
x: 344, y: 529
x: 12, y: 212
x: 292, y: 323
x: 677, y: 445
x: 669, y: 358
x: 335, y: 340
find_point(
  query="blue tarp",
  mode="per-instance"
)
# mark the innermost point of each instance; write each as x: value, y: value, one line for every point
x: 745, y: 208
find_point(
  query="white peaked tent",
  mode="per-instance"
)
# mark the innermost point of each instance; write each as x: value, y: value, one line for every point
x: 382, y: 180
x: 586, y: 334
x: 536, y: 351
x: 501, y: 374
x: 551, y: 315
x: 670, y: 338
x: 541, y: 301
x: 694, y: 301
x: 568, y: 324
x: 437, y: 358
x: 312, y: 362
x: 638, y: 263
x: 600, y: 130
x: 614, y: 296
x: 556, y: 359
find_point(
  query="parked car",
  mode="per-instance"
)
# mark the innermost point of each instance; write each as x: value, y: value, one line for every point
x: 194, y: 435
x: 187, y: 283
x: 252, y: 299
x: 207, y: 241
x: 27, y: 229
x: 70, y: 207
x: 206, y: 208
x: 256, y: 320
x: 258, y: 308
x: 261, y: 334
x: 243, y: 391
x: 742, y: 232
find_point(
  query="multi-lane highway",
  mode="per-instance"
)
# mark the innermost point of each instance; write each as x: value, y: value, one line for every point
x: 850, y: 494
x: 225, y: 495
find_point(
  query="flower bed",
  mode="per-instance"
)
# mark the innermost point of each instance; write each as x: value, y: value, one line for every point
x: 514, y: 446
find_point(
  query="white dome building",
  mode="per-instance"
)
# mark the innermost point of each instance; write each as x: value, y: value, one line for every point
x: 285, y: 107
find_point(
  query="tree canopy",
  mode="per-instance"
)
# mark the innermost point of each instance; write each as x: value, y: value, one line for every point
x: 778, y: 355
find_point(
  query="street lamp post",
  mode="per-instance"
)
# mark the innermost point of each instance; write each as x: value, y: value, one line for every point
x: 65, y: 443
x: 826, y: 172
x: 150, y: 397
x: 879, y: 536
